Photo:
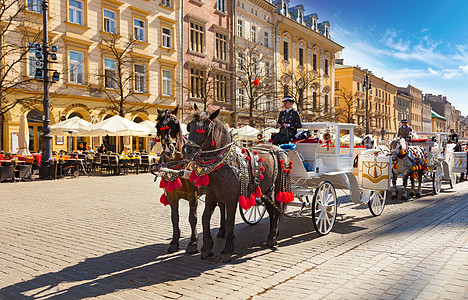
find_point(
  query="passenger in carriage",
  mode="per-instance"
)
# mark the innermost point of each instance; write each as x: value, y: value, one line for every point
x: 453, y: 137
x: 288, y: 122
x: 405, y: 130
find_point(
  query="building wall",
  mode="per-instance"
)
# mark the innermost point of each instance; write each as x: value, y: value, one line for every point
x: 426, y: 117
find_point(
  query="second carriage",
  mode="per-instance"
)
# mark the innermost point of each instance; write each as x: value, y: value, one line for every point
x: 323, y: 164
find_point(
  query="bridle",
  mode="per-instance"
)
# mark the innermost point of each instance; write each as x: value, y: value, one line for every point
x: 164, y: 131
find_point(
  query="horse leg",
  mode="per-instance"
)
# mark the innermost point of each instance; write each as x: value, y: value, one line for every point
x: 207, y: 247
x: 411, y: 194
x: 174, y: 245
x: 274, y: 222
x: 193, y: 246
x: 394, y: 190
x: 404, y: 196
x: 420, y: 179
x: 222, y: 212
x: 230, y: 220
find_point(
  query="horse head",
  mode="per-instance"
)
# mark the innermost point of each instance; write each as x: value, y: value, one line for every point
x: 398, y: 148
x: 169, y: 131
x: 206, y: 133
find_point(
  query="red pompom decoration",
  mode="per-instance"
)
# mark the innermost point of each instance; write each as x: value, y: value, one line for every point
x: 248, y: 158
x: 255, y: 152
x: 243, y: 150
x: 243, y: 202
x: 177, y: 183
x: 163, y: 183
x: 281, y: 161
x: 258, y: 192
x: 256, y: 82
x: 282, y: 167
x: 291, y: 163
x: 212, y: 143
x: 262, y: 169
x: 205, y: 179
x: 285, y: 171
x: 260, y: 176
x: 260, y: 159
x: 164, y: 200
x: 193, y: 176
x: 170, y: 186
x: 289, y: 171
x: 198, y: 181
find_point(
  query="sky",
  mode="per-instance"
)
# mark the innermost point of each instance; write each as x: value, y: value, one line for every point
x: 422, y: 43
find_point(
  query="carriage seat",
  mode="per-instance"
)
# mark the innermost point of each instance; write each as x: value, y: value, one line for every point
x: 419, y: 140
x: 310, y: 140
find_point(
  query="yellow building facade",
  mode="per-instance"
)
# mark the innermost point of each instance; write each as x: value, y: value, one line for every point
x: 94, y: 39
x: 350, y: 94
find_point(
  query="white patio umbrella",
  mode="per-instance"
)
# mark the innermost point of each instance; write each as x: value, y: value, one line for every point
x: 75, y: 125
x: 117, y: 126
x: 23, y: 137
x: 247, y: 132
x: 150, y: 125
x: 345, y: 140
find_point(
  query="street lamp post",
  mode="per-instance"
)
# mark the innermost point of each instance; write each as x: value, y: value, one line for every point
x: 367, y: 85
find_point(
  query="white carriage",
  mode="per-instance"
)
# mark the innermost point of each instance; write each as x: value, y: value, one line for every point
x: 324, y: 164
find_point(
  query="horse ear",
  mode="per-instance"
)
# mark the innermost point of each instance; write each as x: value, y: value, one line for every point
x: 174, y: 112
x: 214, y: 115
x: 195, y: 107
x: 158, y: 110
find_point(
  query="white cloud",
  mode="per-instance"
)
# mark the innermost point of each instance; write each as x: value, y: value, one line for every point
x: 464, y: 69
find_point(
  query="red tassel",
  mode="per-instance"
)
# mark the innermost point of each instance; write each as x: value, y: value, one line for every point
x: 258, y: 192
x: 163, y: 183
x: 278, y: 197
x: 164, y: 200
x: 198, y: 181
x: 291, y: 197
x: 170, y: 186
x: 252, y: 200
x: 205, y: 179
x: 284, y: 197
x: 193, y: 176
x: 243, y: 202
x: 177, y: 183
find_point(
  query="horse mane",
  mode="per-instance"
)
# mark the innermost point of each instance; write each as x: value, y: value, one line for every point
x: 220, y: 134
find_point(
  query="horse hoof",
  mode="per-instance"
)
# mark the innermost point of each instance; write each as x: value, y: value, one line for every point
x: 173, y: 248
x: 192, y: 249
x: 272, y: 243
x: 411, y: 194
x: 404, y: 198
x: 221, y: 234
x: 418, y: 195
x: 206, y: 254
x: 225, y: 258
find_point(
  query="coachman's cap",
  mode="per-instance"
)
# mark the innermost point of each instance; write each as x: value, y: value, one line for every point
x: 404, y: 121
x: 287, y: 98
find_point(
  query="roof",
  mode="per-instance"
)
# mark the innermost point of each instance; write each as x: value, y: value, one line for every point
x: 436, y: 115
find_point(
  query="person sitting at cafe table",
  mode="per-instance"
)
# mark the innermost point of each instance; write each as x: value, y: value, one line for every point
x: 102, y: 149
x: 288, y: 122
x: 81, y: 146
x: 126, y: 151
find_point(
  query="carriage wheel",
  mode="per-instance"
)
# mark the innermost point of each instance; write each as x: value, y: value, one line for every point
x: 453, y: 180
x: 377, y: 202
x: 254, y: 214
x: 437, y: 177
x: 324, y: 208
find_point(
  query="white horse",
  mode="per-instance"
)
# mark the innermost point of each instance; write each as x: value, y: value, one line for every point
x: 409, y: 162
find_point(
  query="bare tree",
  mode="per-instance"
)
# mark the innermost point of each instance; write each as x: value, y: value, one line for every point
x: 119, y: 78
x: 15, y: 42
x: 255, y: 76
x: 346, y: 109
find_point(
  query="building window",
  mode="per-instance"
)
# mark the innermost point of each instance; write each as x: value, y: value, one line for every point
x: 220, y: 5
x: 266, y: 39
x: 300, y: 18
x: 139, y: 29
x: 269, y: 105
x: 241, y: 98
x: 76, y: 12
x: 326, y: 67
x: 314, y: 62
x: 33, y: 62
x: 196, y: 82
x: 314, y: 100
x: 110, y: 66
x: 167, y: 82
x: 167, y: 37
x: 286, y: 90
x: 326, y: 103
x: 35, y: 6
x: 197, y: 33
x: 357, y: 86
x: 166, y: 3
x: 285, y: 9
x: 76, y: 67
x: 240, y: 28
x: 140, y: 78
x: 110, y: 21
x: 253, y: 35
x: 221, y: 88
x: 267, y: 69
x: 337, y: 85
x: 301, y: 57
x: 285, y: 51
x: 221, y: 43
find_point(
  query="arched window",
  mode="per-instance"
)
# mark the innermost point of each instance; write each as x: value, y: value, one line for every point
x: 138, y: 120
x: 35, y: 130
x: 34, y: 116
x: 285, y: 9
x: 300, y: 17
x: 75, y: 114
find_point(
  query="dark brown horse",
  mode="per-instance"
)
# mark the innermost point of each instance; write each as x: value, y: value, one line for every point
x: 170, y: 133
x: 208, y: 142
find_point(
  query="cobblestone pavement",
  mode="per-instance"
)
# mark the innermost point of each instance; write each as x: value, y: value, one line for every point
x: 106, y: 237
